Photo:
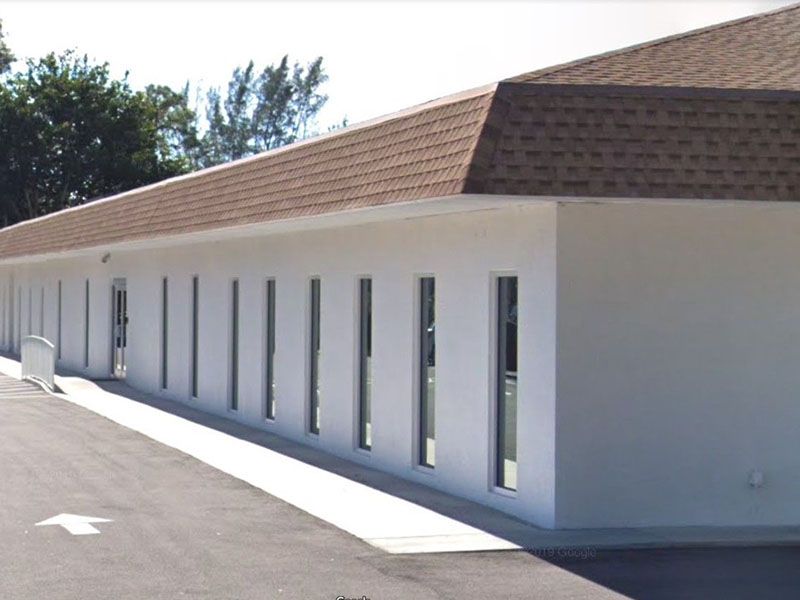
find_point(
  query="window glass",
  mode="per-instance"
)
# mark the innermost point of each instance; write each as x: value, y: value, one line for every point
x: 234, y: 367
x: 427, y: 372
x: 195, y: 332
x: 164, y: 333
x: 507, y: 316
x: 315, y: 350
x: 365, y: 364
x: 269, y: 367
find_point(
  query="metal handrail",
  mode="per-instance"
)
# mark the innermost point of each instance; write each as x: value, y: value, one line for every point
x: 38, y: 360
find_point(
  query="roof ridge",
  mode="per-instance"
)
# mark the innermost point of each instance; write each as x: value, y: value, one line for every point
x: 531, y: 76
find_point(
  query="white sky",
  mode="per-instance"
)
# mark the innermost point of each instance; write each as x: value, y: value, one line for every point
x: 381, y: 56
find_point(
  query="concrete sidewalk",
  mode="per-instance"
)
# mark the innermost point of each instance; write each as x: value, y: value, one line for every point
x: 387, y: 512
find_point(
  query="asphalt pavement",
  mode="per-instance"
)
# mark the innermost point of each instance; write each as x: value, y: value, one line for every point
x: 178, y: 528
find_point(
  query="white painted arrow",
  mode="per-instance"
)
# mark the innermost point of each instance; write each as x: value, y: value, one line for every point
x: 75, y: 524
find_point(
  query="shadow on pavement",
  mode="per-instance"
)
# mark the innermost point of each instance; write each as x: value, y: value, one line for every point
x: 687, y: 573
x: 465, y: 511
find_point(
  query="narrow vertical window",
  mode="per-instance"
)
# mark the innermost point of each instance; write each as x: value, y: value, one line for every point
x: 314, y: 348
x: 195, y: 331
x: 506, y: 389
x: 41, y: 313
x: 234, y: 366
x: 8, y: 294
x: 164, y: 333
x: 365, y: 363
x: 8, y: 334
x: 427, y: 372
x: 5, y: 314
x: 86, y: 326
x: 58, y: 323
x: 19, y: 316
x: 269, y: 349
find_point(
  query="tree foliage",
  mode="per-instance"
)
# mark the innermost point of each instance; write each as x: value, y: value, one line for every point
x: 261, y: 111
x: 6, y: 57
x: 72, y: 133
x: 179, y: 145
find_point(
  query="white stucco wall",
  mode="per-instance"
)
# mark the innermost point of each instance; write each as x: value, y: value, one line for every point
x: 678, y: 364
x: 677, y: 348
x: 463, y: 252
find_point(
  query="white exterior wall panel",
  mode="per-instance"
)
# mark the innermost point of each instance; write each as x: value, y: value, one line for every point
x: 677, y: 327
x: 462, y: 251
x: 678, y: 364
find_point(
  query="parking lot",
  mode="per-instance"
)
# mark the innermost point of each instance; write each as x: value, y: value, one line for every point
x: 175, y: 527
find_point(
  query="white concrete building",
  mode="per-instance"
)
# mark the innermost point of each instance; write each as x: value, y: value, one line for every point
x: 573, y: 295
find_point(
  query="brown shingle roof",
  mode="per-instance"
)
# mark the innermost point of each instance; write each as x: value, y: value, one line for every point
x: 710, y: 114
x: 627, y: 142
x: 757, y: 52
x: 420, y: 153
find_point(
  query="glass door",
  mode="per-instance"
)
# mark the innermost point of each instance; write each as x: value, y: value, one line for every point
x: 119, y: 333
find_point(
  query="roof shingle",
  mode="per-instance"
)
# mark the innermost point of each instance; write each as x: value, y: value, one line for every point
x: 424, y: 153
x: 626, y: 142
x: 757, y: 52
x: 711, y: 114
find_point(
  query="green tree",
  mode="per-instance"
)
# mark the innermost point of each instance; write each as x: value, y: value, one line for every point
x: 277, y: 107
x: 213, y: 146
x: 72, y: 133
x: 308, y: 101
x: 238, y: 110
x: 272, y: 118
x: 179, y: 147
x: 6, y: 57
